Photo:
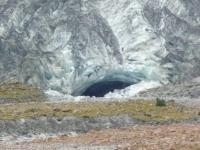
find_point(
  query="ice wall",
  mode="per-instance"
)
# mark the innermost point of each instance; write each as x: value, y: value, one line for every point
x: 70, y: 45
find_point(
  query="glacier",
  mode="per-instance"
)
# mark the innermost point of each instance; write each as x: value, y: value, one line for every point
x: 69, y: 46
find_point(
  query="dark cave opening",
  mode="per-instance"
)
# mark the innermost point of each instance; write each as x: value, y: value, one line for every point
x: 102, y: 88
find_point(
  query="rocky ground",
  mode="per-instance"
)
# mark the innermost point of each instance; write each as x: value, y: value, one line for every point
x: 167, y: 137
x: 187, y: 90
x: 184, y: 135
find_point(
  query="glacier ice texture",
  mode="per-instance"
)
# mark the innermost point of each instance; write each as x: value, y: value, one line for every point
x: 70, y: 45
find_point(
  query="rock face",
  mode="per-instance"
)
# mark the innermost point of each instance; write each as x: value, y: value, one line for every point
x: 65, y: 125
x: 70, y: 45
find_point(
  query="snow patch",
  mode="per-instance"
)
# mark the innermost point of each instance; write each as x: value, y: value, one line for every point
x: 55, y: 96
x: 132, y: 90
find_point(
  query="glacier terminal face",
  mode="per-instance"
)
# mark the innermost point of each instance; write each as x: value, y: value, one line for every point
x: 72, y: 45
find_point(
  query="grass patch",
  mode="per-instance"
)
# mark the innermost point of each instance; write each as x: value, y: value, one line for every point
x: 139, y: 109
x: 16, y: 92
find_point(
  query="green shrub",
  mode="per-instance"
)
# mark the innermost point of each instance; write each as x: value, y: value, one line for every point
x: 172, y: 101
x: 160, y: 102
x: 32, y: 110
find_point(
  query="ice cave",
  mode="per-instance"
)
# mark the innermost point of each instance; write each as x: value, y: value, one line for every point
x: 102, y: 88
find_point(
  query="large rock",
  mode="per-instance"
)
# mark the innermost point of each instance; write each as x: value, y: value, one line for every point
x: 70, y: 45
